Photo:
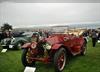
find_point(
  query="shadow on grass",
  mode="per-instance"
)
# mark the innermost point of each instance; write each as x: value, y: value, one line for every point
x: 41, y: 67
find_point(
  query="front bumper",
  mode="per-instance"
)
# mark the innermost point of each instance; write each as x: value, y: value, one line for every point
x: 8, y: 46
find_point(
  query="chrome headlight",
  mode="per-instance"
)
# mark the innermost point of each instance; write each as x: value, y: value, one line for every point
x: 12, y: 40
x: 5, y: 41
x: 47, y: 46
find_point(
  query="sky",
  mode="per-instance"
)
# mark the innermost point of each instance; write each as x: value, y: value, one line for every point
x: 48, y: 14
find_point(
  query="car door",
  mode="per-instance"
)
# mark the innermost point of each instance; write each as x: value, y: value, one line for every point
x: 77, y: 43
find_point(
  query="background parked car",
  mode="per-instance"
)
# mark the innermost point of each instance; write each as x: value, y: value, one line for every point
x: 18, y: 40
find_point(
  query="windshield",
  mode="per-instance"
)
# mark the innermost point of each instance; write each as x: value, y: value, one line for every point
x: 30, y: 34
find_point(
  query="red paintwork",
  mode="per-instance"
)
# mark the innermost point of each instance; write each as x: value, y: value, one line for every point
x: 45, y: 59
x: 60, y: 60
x: 71, y: 42
x: 56, y: 46
x: 26, y: 45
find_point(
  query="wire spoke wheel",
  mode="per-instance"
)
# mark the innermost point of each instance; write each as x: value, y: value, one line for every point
x: 60, y: 59
x: 28, y: 55
x: 26, y: 58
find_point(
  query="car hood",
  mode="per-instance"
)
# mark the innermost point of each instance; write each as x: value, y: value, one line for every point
x: 17, y: 39
x: 54, y: 40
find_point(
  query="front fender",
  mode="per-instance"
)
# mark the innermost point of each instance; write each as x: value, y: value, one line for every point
x: 56, y: 46
x: 18, y: 41
x: 26, y: 45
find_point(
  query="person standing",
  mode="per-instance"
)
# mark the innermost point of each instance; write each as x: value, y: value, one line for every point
x: 94, y: 38
x: 99, y: 36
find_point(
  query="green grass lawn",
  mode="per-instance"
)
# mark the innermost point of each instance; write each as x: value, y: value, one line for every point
x: 11, y: 62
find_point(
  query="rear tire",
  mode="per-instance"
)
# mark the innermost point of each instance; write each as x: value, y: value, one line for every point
x: 84, y: 49
x: 60, y: 60
x: 25, y: 59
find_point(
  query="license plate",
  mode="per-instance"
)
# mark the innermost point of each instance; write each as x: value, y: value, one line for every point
x: 10, y: 46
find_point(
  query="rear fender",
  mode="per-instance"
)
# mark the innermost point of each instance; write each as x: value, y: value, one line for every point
x: 26, y: 45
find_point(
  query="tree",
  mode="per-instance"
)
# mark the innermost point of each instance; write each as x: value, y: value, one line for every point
x: 6, y: 26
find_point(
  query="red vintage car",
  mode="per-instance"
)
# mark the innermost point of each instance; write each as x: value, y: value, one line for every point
x: 56, y: 49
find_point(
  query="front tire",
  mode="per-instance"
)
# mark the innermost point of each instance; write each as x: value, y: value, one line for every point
x: 19, y: 45
x: 60, y: 60
x: 25, y: 58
